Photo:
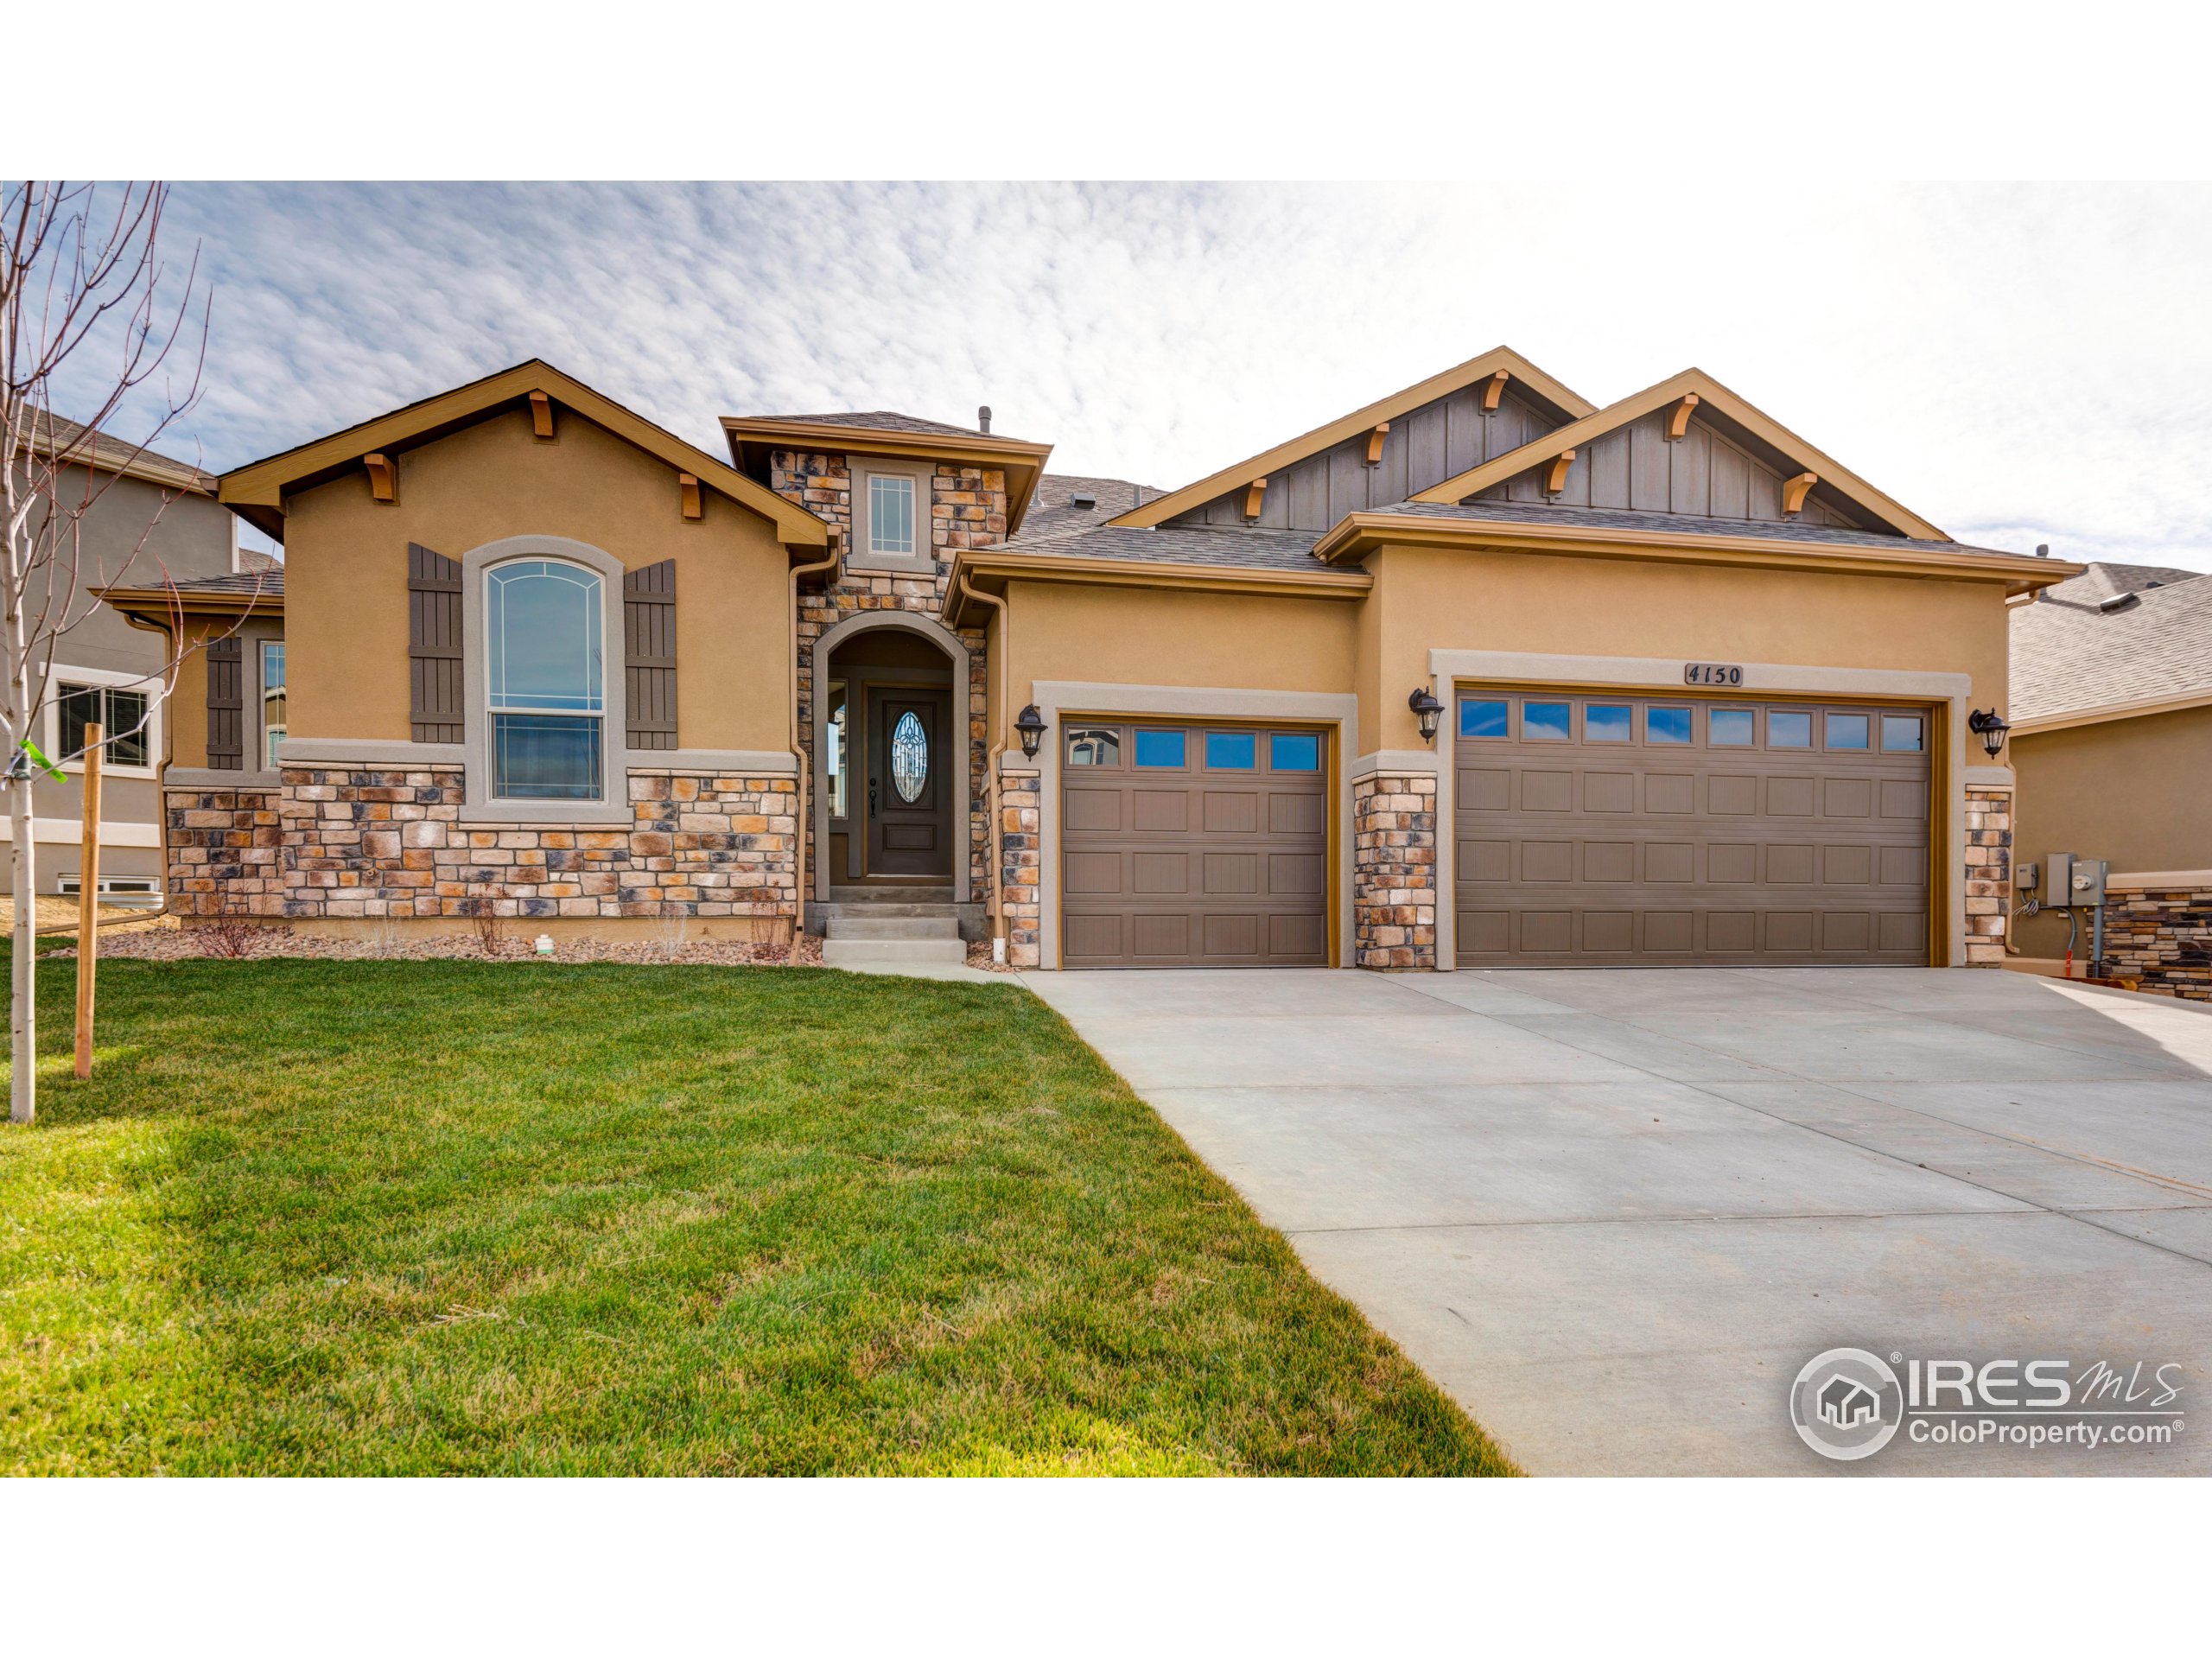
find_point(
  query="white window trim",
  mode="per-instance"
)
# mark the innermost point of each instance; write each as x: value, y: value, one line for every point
x: 481, y: 805
x: 261, y: 644
x: 122, y: 679
x: 923, y: 560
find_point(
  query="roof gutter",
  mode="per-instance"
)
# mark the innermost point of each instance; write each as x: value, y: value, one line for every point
x: 1361, y: 533
x: 977, y: 564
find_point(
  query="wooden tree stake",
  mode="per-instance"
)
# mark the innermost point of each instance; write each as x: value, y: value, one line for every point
x: 88, y: 901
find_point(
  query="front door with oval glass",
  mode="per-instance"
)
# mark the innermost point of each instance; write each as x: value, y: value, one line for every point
x: 911, y: 783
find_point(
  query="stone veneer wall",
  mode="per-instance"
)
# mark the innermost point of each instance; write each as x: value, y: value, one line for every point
x: 1988, y: 875
x: 2161, y: 935
x: 1394, y: 871
x: 346, y: 843
x: 968, y: 508
x: 1019, y: 864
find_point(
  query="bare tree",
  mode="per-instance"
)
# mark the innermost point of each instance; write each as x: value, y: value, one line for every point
x: 89, y: 313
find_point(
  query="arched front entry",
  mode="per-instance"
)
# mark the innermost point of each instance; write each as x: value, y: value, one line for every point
x: 893, y: 778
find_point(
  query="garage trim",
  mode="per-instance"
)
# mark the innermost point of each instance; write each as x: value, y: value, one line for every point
x: 1951, y: 695
x: 1114, y: 700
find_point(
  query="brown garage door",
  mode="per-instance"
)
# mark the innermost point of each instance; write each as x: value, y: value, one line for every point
x: 1188, y: 846
x: 1608, y: 831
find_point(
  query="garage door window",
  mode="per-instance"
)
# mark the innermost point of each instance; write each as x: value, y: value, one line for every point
x: 1481, y: 717
x: 1732, y: 728
x: 1846, y: 731
x: 1161, y: 749
x: 1901, y: 733
x: 1788, y: 728
x: 1546, y: 722
x: 1294, y: 752
x: 1094, y: 745
x: 1231, y: 751
x: 1608, y: 722
x: 1667, y: 725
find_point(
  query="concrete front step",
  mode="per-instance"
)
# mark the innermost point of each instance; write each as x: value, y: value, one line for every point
x: 916, y: 894
x: 847, y: 952
x: 945, y: 925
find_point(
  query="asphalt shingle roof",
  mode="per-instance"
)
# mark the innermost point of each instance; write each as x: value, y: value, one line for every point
x: 269, y: 583
x: 2068, y: 655
x: 1055, y: 526
x: 69, y: 439
x: 887, y: 420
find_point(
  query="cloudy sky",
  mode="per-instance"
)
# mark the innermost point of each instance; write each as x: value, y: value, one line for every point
x: 2021, y: 365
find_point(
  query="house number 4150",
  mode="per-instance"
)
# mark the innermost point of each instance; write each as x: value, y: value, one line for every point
x: 1712, y: 674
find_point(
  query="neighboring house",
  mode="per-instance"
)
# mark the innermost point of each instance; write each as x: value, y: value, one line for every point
x: 1704, y: 691
x: 154, y: 516
x: 2111, y: 727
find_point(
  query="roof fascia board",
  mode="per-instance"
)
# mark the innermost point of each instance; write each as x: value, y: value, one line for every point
x: 264, y: 484
x: 1527, y: 374
x: 987, y: 564
x: 159, y: 603
x: 1022, y: 461
x: 1360, y: 533
x: 2134, y: 708
x: 1712, y: 397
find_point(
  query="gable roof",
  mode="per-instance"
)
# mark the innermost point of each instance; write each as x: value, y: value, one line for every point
x: 255, y: 492
x: 882, y: 432
x: 1528, y: 379
x: 56, y: 437
x: 1713, y: 398
x: 2074, y: 663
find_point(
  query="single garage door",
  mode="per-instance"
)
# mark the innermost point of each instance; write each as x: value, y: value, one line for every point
x: 1596, y: 830
x: 1191, y: 846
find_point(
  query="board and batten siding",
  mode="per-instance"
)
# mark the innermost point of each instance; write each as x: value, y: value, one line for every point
x: 1434, y: 443
x: 434, y: 646
x: 649, y: 647
x: 226, y: 704
x: 1638, y: 468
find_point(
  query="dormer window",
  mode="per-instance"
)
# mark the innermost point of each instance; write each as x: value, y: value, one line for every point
x: 892, y: 501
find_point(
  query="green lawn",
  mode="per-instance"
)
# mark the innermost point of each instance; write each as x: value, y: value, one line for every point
x: 385, y: 1217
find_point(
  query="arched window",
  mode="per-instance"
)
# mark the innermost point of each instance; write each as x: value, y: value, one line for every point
x: 544, y: 654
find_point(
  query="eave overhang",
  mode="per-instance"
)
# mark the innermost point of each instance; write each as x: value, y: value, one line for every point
x: 1361, y: 533
x: 752, y: 438
x: 2133, y: 709
x: 1527, y: 378
x: 255, y: 492
x: 991, y: 569
x: 163, y: 606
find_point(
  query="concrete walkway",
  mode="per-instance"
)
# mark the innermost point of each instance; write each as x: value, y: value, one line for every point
x: 1614, y: 1213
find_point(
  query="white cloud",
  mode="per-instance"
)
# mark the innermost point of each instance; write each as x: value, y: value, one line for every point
x: 2021, y: 365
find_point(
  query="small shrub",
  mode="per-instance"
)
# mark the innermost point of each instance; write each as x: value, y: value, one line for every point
x: 675, y: 924
x: 491, y: 926
x: 385, y: 934
x: 234, y: 933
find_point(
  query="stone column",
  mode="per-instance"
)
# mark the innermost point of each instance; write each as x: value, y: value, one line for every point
x: 1394, y: 870
x: 1988, y: 873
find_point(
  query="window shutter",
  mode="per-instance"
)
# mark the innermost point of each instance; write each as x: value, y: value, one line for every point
x: 648, y: 645
x: 434, y: 650
x: 227, y: 705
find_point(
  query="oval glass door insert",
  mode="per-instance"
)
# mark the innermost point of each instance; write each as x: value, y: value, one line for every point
x: 910, y: 758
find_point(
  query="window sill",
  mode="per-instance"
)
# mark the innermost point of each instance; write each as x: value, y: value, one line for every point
x: 485, y: 814
x: 891, y: 564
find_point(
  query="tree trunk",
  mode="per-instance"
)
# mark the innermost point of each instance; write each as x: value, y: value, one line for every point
x: 23, y: 1003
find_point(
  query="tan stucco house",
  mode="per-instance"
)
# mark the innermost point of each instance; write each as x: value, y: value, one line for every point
x: 2111, y: 738
x: 1481, y: 674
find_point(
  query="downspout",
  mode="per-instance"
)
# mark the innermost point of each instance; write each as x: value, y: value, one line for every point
x: 799, y: 751
x: 991, y: 766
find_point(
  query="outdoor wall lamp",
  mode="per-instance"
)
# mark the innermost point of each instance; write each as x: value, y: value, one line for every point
x: 1031, y: 724
x: 1992, y: 726
x: 1425, y: 709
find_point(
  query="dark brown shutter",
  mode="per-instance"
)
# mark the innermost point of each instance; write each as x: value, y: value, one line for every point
x: 226, y: 704
x: 648, y: 643
x: 434, y: 652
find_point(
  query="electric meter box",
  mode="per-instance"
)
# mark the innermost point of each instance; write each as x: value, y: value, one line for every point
x: 2089, y: 882
x: 2057, y: 890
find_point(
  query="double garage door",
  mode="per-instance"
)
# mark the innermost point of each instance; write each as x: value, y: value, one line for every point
x: 1608, y: 831
x: 1192, y: 846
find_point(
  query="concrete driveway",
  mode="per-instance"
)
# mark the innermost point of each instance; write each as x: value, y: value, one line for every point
x: 1614, y: 1213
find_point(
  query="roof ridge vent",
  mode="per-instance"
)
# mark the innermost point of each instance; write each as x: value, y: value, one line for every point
x: 1083, y: 499
x: 2117, y: 602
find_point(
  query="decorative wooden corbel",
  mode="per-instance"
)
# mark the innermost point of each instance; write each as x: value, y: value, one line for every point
x: 1253, y: 496
x: 1374, y: 444
x: 1494, y: 388
x: 1679, y: 422
x: 693, y: 506
x: 1557, y: 482
x: 1793, y: 491
x: 384, y: 478
x: 541, y: 414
